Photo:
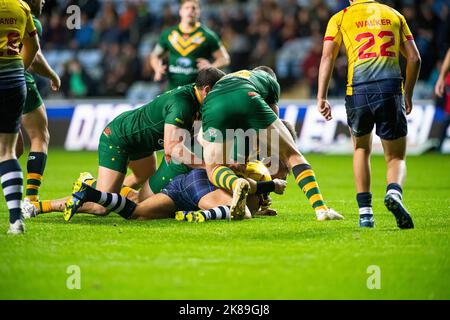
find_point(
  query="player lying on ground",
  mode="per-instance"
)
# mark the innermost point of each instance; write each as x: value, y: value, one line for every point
x: 246, y: 100
x: 188, y: 192
x: 374, y: 95
x: 17, y: 29
x: 34, y: 118
x: 131, y: 138
x: 255, y: 171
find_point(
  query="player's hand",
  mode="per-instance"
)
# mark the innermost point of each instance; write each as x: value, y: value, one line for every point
x: 280, y: 186
x: 55, y: 82
x: 266, y: 212
x: 440, y: 87
x: 203, y: 63
x: 265, y: 201
x: 160, y: 72
x: 324, y: 108
x: 408, y: 104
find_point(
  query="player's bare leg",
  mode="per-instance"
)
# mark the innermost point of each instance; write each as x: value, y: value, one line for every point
x: 142, y: 169
x: 361, y: 162
x: 394, y: 154
x: 19, y: 145
x: 303, y: 173
x: 223, y: 177
x: 160, y: 206
x: 362, y: 149
x: 145, y: 192
x: 35, y: 124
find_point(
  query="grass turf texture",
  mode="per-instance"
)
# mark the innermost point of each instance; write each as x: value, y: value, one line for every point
x: 286, y: 257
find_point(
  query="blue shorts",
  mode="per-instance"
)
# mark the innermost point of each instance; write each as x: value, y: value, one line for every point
x: 386, y: 111
x: 12, y: 102
x: 186, y: 190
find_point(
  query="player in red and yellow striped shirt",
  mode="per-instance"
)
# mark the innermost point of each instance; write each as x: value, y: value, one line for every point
x: 374, y: 35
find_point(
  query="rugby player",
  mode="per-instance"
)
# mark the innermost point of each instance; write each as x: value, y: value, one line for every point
x: 16, y: 27
x: 190, y: 46
x: 34, y: 119
x: 248, y: 100
x: 191, y: 192
x: 374, y: 36
x: 132, y: 137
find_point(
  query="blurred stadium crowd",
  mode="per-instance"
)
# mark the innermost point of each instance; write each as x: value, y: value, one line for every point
x: 108, y: 55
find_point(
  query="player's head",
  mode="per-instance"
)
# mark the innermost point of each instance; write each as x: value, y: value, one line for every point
x: 266, y: 69
x: 206, y: 79
x: 36, y: 6
x: 189, y: 11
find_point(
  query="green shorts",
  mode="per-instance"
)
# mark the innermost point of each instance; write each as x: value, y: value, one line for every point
x: 165, y: 174
x: 112, y: 154
x: 238, y: 109
x: 34, y: 99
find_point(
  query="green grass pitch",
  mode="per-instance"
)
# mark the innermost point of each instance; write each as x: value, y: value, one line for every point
x: 290, y: 256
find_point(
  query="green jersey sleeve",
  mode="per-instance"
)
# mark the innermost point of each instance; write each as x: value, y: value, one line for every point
x: 180, y: 114
x: 38, y: 26
x: 163, y: 39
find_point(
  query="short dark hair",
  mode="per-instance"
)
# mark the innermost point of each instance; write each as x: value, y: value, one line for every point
x: 208, y: 77
x: 266, y: 69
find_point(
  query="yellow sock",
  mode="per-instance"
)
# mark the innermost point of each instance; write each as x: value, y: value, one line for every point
x: 224, y: 178
x: 33, y: 184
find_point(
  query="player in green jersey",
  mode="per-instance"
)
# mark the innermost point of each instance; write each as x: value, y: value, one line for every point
x: 34, y: 119
x: 132, y: 138
x: 191, y: 47
x: 248, y: 100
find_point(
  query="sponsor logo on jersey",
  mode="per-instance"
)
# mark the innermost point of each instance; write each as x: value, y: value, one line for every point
x: 181, y: 70
x: 184, y: 62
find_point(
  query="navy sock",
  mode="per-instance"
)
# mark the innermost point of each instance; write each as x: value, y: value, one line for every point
x: 111, y: 201
x: 395, y: 188
x: 364, y: 200
x: 12, y: 184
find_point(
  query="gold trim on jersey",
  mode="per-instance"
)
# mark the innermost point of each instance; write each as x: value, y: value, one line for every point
x: 191, y: 29
x: 186, y: 46
x: 197, y: 95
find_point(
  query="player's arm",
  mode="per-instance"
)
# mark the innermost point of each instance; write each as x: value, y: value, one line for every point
x: 175, y: 149
x: 29, y: 50
x: 445, y: 68
x: 157, y: 63
x: 329, y: 53
x: 221, y: 59
x: 413, y: 61
x: 41, y: 67
x: 275, y: 108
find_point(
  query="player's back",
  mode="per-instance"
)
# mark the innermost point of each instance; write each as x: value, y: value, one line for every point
x: 144, y: 126
x: 372, y: 34
x: 254, y: 81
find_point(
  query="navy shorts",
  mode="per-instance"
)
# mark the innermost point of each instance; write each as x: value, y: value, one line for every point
x: 384, y: 110
x: 186, y: 190
x: 12, y: 102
